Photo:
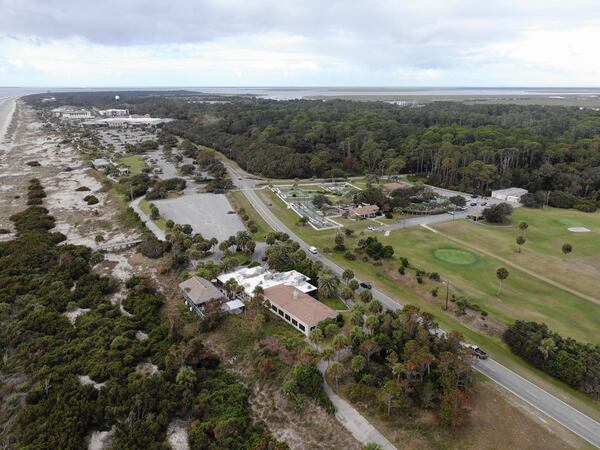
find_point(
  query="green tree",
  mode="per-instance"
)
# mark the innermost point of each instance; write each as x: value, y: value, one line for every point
x: 566, y: 249
x: 358, y: 363
x: 316, y: 337
x: 327, y: 283
x: 520, y: 241
x: 186, y: 377
x: 336, y: 370
x: 501, y: 274
x: 347, y: 275
x: 523, y: 227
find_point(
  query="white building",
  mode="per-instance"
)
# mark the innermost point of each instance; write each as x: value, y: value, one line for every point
x: 100, y: 163
x: 512, y: 195
x: 124, y: 122
x: 249, y: 278
x: 114, y: 112
x: 70, y: 113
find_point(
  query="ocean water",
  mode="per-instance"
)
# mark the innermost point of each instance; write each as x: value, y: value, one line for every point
x: 289, y: 93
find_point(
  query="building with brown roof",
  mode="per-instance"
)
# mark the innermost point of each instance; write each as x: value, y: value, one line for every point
x: 196, y: 291
x: 363, y: 211
x: 297, y: 308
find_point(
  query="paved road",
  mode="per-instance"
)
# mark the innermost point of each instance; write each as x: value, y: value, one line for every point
x: 570, y: 418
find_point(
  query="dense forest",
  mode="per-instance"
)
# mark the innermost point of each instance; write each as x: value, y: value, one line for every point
x: 570, y: 361
x: 59, y: 380
x: 469, y: 147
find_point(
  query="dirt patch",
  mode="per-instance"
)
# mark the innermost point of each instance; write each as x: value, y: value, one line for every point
x: 86, y: 380
x: 146, y: 369
x: 74, y: 314
x: 177, y: 435
x: 272, y: 344
x: 100, y: 440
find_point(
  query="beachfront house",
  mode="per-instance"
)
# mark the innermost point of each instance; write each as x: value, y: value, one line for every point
x: 196, y: 291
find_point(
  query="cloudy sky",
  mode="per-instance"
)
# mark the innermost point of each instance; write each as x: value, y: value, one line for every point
x: 299, y: 43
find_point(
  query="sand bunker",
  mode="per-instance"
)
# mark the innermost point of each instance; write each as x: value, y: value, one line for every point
x: 579, y: 229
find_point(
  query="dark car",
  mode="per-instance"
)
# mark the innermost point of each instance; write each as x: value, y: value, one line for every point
x: 230, y: 212
x: 473, y: 204
x: 264, y: 258
x: 480, y: 353
x: 484, y: 203
x: 365, y: 285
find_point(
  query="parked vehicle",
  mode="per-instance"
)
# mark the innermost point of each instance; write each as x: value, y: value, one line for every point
x: 473, y: 204
x: 484, y: 203
x: 365, y: 285
x: 313, y: 250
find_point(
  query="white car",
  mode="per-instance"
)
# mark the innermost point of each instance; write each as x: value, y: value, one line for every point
x: 313, y: 250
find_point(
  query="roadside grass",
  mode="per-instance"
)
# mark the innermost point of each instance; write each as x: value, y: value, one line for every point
x: 545, y: 236
x: 160, y: 222
x: 494, y: 346
x: 135, y: 163
x: 238, y: 200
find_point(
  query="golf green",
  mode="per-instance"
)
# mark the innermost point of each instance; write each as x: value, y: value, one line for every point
x: 455, y: 256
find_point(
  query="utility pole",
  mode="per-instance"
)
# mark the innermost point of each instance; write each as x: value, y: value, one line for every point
x: 447, y: 291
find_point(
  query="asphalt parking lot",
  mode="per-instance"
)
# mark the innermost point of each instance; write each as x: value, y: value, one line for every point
x: 206, y: 213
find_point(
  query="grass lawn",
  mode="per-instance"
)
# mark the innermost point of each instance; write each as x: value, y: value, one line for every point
x: 238, y: 200
x: 474, y: 275
x: 135, y: 163
x: 406, y: 294
x: 541, y: 253
x: 335, y: 303
x: 161, y: 222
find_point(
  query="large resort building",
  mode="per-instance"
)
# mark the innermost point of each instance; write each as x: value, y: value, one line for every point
x: 297, y: 308
x: 250, y: 278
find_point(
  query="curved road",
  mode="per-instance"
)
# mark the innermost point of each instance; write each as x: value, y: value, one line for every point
x: 572, y: 419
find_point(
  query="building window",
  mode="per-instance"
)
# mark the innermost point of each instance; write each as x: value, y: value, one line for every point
x: 287, y: 317
x: 302, y: 327
x: 294, y: 322
x: 312, y: 328
x: 281, y: 313
x: 274, y: 308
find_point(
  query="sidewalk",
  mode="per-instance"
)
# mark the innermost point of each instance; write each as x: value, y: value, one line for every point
x: 135, y: 205
x: 354, y: 422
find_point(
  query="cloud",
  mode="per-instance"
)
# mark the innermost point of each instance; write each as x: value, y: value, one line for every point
x: 269, y: 42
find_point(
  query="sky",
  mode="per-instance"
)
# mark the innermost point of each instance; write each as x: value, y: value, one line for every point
x: 145, y: 43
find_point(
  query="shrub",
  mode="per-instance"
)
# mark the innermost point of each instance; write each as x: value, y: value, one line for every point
x: 33, y: 164
x: 82, y: 189
x: 401, y: 270
x: 435, y: 276
x: 434, y: 291
x: 350, y: 256
x: 90, y: 199
x: 585, y: 205
x: 419, y: 279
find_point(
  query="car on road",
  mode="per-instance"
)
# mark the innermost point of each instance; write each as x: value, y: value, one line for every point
x: 477, y: 352
x: 230, y: 212
x: 264, y: 258
x: 473, y: 204
x: 484, y: 203
x: 313, y: 250
x: 451, y: 213
x: 371, y: 228
x: 365, y: 285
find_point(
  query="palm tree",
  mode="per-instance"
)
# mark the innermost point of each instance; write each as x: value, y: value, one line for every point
x: 340, y: 341
x: 547, y: 347
x: 347, y: 275
x: 501, y: 274
x: 358, y: 363
x: 327, y: 283
x: 520, y: 242
x: 328, y: 354
x: 316, y: 337
x: 353, y: 284
x: 347, y: 294
x: 523, y: 227
x: 566, y: 249
x: 336, y: 370
x: 398, y: 371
